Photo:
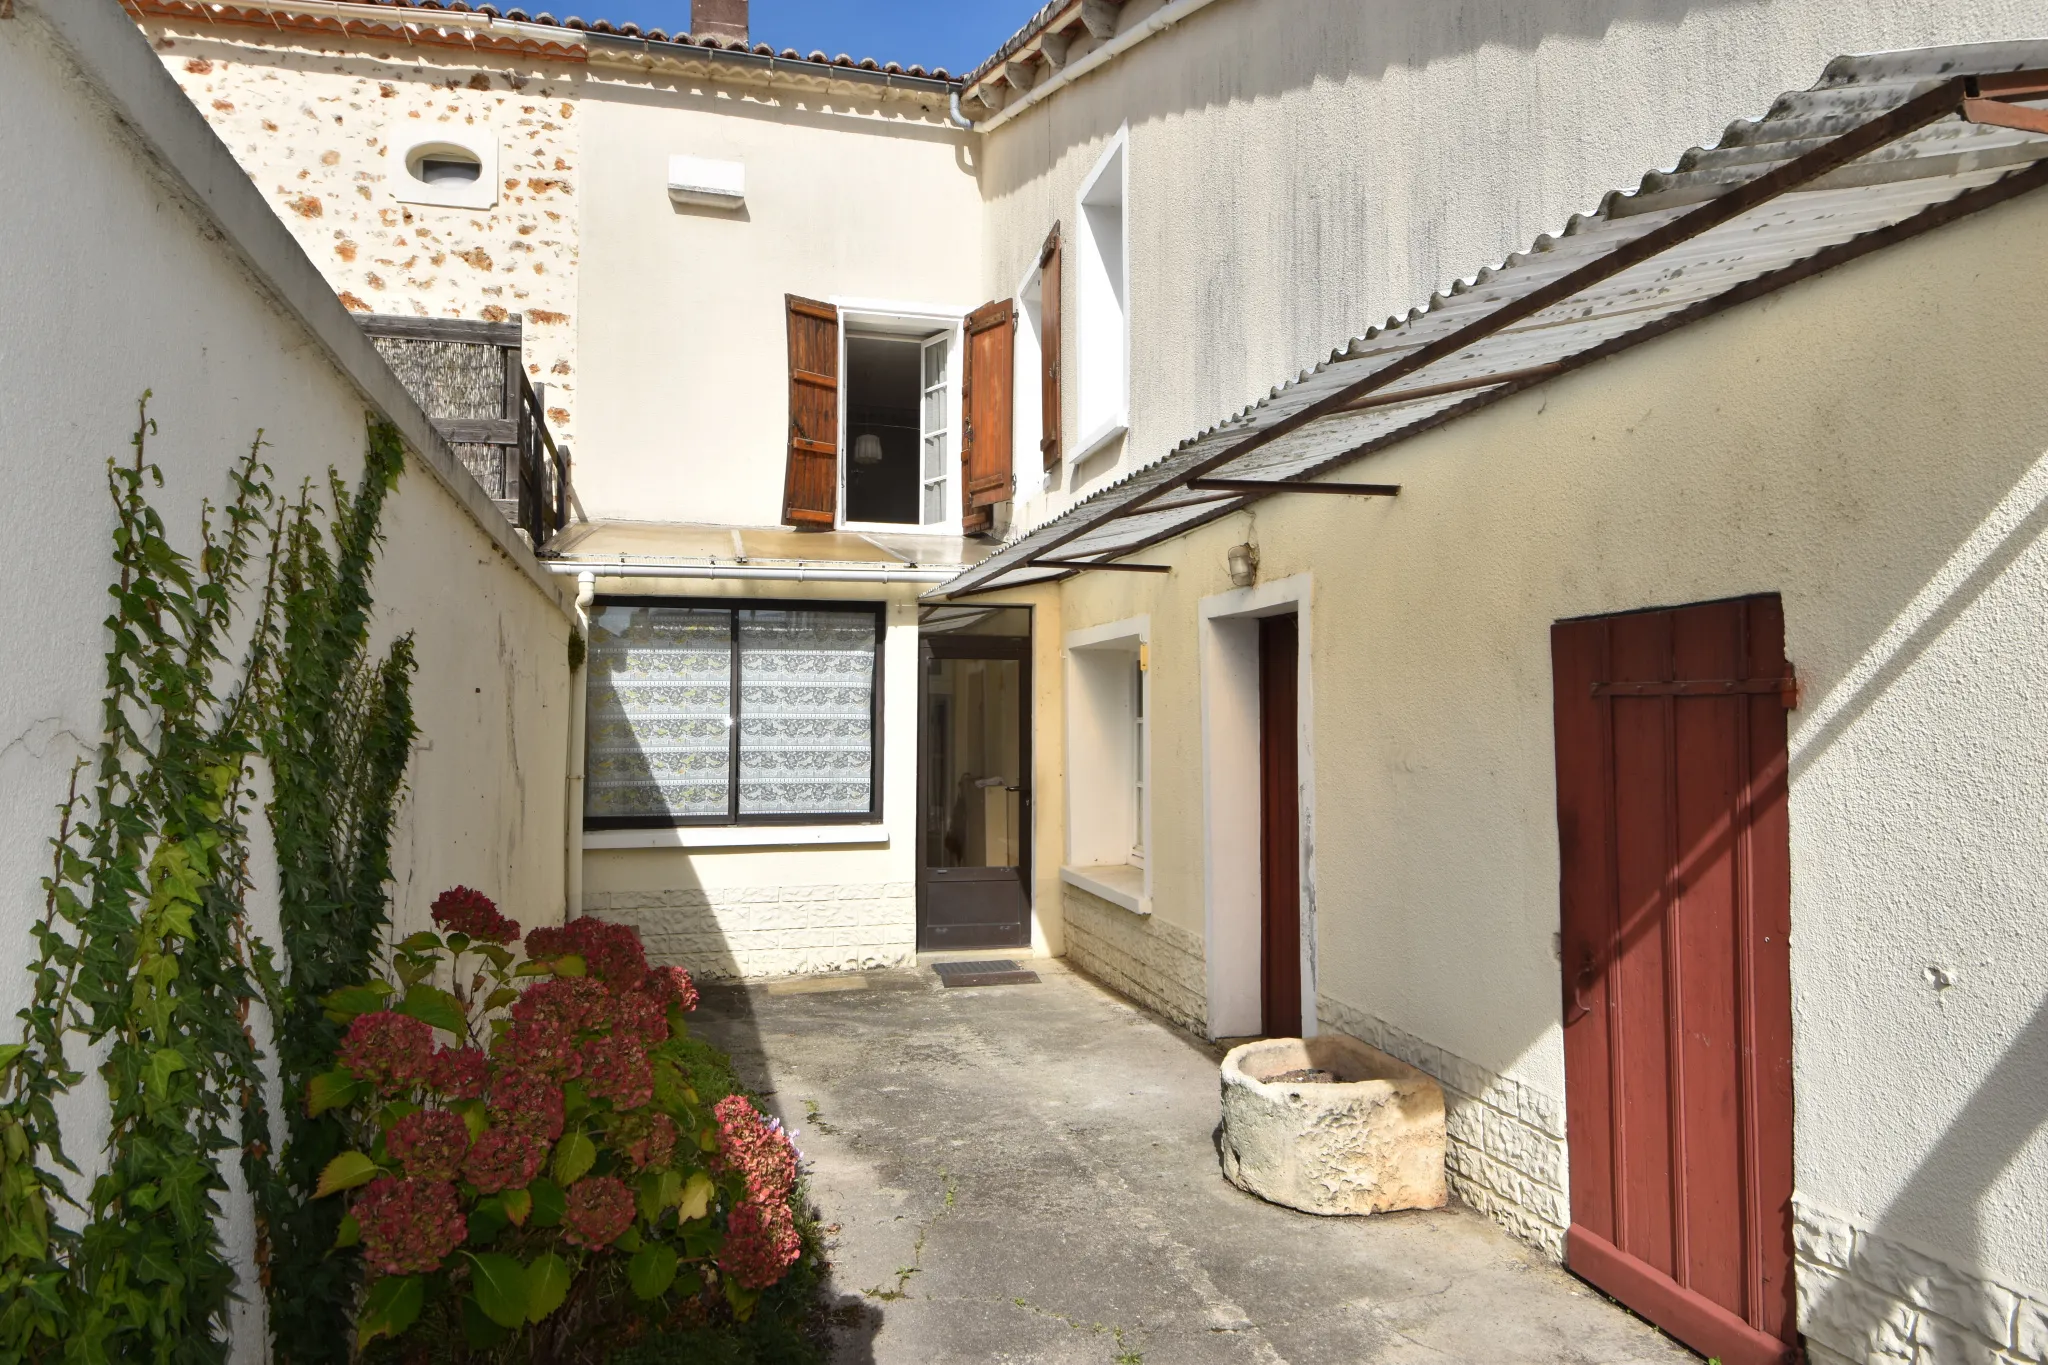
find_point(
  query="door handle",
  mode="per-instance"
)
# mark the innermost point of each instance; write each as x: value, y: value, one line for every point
x: 1576, y: 1007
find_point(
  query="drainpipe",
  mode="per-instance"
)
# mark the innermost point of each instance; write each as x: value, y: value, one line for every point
x: 960, y: 120
x: 579, y: 692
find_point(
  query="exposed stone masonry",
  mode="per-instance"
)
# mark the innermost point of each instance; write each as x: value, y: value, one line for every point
x: 770, y: 930
x: 1505, y: 1153
x: 323, y: 128
x: 1160, y: 965
x: 1867, y: 1299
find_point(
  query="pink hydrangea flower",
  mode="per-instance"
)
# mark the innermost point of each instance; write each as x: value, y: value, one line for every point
x: 640, y: 1014
x: 393, y: 1052
x: 672, y: 986
x: 505, y: 1159
x: 611, y: 952
x: 459, y: 1073
x: 527, y: 1103
x: 648, y: 1140
x: 460, y: 910
x: 599, y: 1210
x: 409, y: 1226
x: 429, y: 1143
x: 616, y: 1068
x: 760, y: 1243
x: 755, y: 1148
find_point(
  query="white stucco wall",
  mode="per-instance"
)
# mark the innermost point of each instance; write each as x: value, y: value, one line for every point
x: 111, y: 283
x: 323, y: 125
x: 683, y: 337
x: 1300, y: 170
x: 1873, y: 446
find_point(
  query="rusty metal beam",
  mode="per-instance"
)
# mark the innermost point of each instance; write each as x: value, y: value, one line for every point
x: 1942, y: 101
x: 1097, y: 564
x: 1356, y: 490
x: 2001, y: 115
x: 1421, y: 391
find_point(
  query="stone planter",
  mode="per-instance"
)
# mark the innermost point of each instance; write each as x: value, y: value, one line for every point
x: 1370, y: 1141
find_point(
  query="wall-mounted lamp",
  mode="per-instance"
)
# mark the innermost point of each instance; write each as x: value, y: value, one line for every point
x: 1244, y: 565
x: 867, y: 448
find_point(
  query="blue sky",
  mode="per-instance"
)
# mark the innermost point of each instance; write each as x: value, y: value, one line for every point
x: 955, y: 34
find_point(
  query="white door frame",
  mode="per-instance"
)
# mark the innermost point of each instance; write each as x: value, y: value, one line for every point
x: 1230, y: 800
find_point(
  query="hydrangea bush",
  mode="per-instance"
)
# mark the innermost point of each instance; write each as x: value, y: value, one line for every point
x: 536, y: 1164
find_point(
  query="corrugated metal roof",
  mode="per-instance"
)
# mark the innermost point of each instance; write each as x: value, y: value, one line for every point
x: 1877, y: 151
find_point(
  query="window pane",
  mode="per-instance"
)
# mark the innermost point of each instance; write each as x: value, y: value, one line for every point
x: 660, y: 702
x: 934, y: 457
x: 935, y: 361
x: 934, y: 503
x: 807, y: 705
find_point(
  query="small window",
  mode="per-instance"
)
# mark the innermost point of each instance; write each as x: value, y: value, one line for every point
x: 707, y: 714
x: 1141, y: 754
x: 445, y: 166
x: 1108, y: 761
x: 1101, y: 289
x: 899, y: 436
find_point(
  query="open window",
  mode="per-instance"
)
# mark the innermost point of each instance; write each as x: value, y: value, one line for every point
x: 1101, y: 298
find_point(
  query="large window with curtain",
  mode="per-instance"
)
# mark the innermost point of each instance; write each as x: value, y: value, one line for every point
x: 751, y: 713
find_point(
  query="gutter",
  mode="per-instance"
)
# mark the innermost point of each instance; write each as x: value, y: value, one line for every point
x: 778, y: 573
x: 579, y: 741
x: 609, y: 49
x: 1163, y: 18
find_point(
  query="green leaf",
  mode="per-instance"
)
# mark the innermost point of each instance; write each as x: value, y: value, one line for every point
x: 696, y: 1200
x: 486, y: 1221
x: 500, y: 1286
x: 575, y: 1154
x: 549, y: 1203
x: 495, y: 954
x: 517, y: 1205
x: 652, y: 1270
x: 742, y: 1300
x: 478, y: 1330
x: 350, y: 1232
x: 336, y: 1089
x: 629, y: 1240
x: 393, y: 1305
x: 658, y: 1190
x: 425, y: 940
x: 547, y: 1284
x: 350, y: 1001
x: 475, y: 1117
x: 436, y: 1007
x: 345, y: 1172
x: 500, y: 998
x: 534, y: 969
x: 570, y: 964
x: 164, y: 1063
x: 12, y: 1050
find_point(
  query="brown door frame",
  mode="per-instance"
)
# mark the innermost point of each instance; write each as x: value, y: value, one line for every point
x: 931, y: 647
x: 1676, y: 967
x: 1280, y: 825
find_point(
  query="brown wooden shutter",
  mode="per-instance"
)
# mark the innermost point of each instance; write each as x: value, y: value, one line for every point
x: 810, y: 487
x: 1049, y: 347
x: 985, y: 396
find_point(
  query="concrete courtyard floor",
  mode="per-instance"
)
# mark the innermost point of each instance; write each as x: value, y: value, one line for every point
x: 1029, y: 1173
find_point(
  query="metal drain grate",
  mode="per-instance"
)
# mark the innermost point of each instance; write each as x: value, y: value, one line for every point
x: 1000, y: 971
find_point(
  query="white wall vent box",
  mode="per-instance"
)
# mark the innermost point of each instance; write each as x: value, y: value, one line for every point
x: 713, y: 184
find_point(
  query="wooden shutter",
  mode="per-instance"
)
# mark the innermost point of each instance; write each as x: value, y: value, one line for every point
x: 810, y: 487
x: 1049, y: 347
x: 985, y: 395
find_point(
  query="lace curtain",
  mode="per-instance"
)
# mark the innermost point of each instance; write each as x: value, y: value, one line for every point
x: 662, y: 713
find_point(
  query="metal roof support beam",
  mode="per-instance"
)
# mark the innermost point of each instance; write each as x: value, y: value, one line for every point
x: 1355, y: 490
x: 1097, y: 564
x: 1942, y: 101
x: 2004, y: 115
x: 1482, y: 381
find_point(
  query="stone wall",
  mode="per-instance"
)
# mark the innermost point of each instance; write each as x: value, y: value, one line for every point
x: 1868, y: 1299
x: 1504, y: 1153
x: 323, y: 127
x: 756, y: 931
x: 1157, y: 964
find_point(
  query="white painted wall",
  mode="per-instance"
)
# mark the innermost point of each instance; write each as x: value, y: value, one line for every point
x: 110, y: 284
x: 1873, y: 445
x: 1300, y: 169
x: 683, y: 337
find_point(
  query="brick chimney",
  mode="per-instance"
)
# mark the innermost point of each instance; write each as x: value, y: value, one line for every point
x: 725, y: 20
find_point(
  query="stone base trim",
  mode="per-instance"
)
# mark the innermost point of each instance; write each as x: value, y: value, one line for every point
x: 1867, y: 1299
x: 1504, y: 1150
x: 758, y: 931
x: 1160, y: 965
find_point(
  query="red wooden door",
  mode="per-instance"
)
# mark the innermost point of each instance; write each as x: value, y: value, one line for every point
x: 1279, y: 829
x: 1677, y: 988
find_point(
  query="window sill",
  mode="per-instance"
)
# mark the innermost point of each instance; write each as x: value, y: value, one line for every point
x: 1118, y: 883
x: 736, y: 836
x: 1100, y: 441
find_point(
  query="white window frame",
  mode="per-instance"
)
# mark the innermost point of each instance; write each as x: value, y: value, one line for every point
x: 1104, y: 412
x: 1108, y: 761
x: 1027, y: 395
x: 479, y: 141
x: 920, y: 322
